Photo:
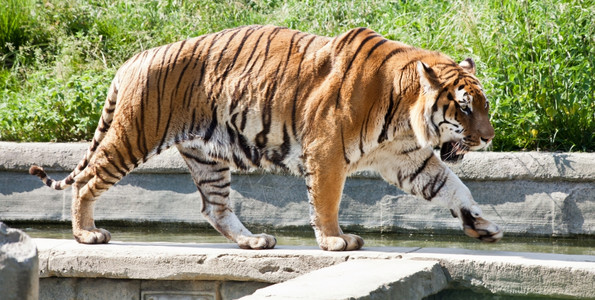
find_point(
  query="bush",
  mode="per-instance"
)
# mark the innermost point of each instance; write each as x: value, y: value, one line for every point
x: 535, y: 58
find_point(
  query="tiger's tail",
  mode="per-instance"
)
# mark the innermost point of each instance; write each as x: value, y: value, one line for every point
x: 104, y: 124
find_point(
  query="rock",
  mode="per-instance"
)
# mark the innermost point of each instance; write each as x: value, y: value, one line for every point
x: 19, y: 269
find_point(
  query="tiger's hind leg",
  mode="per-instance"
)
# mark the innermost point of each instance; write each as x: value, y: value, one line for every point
x: 213, y: 179
x: 107, y: 167
x: 84, y: 193
x: 88, y: 185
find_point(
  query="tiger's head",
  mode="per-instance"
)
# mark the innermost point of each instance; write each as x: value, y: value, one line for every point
x: 452, y: 111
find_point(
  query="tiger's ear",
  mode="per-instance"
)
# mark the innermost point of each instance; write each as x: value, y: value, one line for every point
x: 468, y: 65
x: 427, y: 78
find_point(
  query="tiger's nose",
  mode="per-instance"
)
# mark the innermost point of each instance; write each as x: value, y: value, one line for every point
x: 486, y: 140
x: 487, y: 134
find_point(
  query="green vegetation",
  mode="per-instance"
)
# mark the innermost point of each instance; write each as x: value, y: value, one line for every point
x: 536, y: 59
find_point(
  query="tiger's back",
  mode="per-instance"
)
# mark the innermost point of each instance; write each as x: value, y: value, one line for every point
x: 274, y: 98
x: 228, y: 92
x: 251, y: 95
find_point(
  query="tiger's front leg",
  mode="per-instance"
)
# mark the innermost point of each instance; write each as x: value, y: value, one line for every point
x: 423, y: 174
x: 213, y: 180
x: 324, y: 182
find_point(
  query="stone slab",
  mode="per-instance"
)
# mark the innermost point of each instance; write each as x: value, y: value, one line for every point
x: 501, y: 273
x: 187, y: 261
x: 516, y: 273
x: 362, y: 279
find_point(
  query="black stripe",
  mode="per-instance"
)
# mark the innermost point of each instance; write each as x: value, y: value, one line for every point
x: 420, y: 169
x: 128, y: 146
x: 198, y: 159
x: 198, y: 42
x: 94, y: 145
x: 218, y: 79
x: 187, y: 95
x: 83, y: 164
x: 92, y: 191
x: 145, y: 96
x: 246, y: 72
x: 224, y: 49
x: 347, y: 39
x: 140, y: 140
x: 297, y: 89
x: 192, y: 128
x: 378, y: 44
x: 222, y: 186
x: 244, y: 119
x: 388, y: 117
x: 231, y: 133
x: 207, y: 181
x: 239, y: 163
x: 344, y: 149
x: 104, y: 125
x: 430, y: 190
x: 171, y: 98
x: 363, y: 130
x: 417, y: 147
x: 165, y: 134
x: 135, y: 58
x: 393, y: 53
x: 69, y: 180
x: 252, y: 53
x: 106, y: 171
x: 278, y: 156
x: 206, y: 57
x: 108, y: 182
x: 249, y: 32
x: 158, y: 85
x: 122, y: 168
x: 220, y: 194
x: 353, y: 57
x: 212, y: 125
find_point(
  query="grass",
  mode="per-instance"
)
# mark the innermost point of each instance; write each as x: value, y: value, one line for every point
x: 536, y: 59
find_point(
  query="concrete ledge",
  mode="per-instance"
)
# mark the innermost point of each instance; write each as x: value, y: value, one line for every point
x: 177, y: 261
x: 502, y: 273
x: 574, y: 166
x: 526, y: 193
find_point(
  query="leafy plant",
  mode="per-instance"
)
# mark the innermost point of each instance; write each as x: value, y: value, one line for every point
x: 535, y: 58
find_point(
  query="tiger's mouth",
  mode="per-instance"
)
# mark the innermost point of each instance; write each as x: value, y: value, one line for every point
x: 452, y: 151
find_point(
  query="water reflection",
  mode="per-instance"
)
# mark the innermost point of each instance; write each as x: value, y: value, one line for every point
x: 304, y: 237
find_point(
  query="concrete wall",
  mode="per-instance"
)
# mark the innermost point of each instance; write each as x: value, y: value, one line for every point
x: 526, y: 193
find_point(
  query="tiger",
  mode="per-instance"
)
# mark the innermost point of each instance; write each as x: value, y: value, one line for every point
x: 277, y: 99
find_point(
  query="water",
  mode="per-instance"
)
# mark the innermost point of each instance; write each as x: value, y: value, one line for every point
x: 305, y: 237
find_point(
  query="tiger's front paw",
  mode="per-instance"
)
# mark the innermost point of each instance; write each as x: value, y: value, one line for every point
x: 343, y: 242
x: 475, y: 226
x: 257, y: 241
x: 93, y: 236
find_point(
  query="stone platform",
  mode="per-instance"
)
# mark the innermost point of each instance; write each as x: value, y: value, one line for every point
x: 125, y: 270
